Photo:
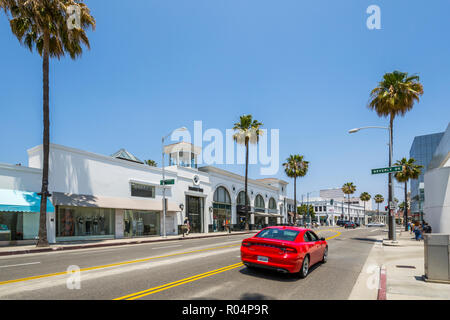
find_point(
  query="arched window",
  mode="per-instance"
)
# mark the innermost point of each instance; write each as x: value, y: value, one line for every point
x: 221, y: 195
x: 272, y: 204
x: 259, y: 202
x: 241, y: 198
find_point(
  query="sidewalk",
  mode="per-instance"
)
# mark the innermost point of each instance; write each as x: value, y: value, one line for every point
x: 11, y: 250
x: 403, y: 265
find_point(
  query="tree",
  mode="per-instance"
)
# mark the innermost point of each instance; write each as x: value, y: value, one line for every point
x: 50, y: 27
x: 247, y: 131
x: 378, y: 199
x: 395, y: 95
x: 410, y: 171
x: 295, y: 167
x: 365, y: 196
x: 151, y: 163
x: 348, y: 188
x: 303, y: 210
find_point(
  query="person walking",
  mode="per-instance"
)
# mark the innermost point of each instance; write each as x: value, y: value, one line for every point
x: 187, y: 227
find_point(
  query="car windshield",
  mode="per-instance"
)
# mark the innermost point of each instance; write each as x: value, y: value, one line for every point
x: 278, y: 234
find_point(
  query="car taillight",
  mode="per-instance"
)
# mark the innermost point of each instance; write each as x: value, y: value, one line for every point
x: 246, y: 244
x: 290, y: 250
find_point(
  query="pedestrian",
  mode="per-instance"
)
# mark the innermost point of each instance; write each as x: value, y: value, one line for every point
x: 187, y: 227
x: 417, y: 233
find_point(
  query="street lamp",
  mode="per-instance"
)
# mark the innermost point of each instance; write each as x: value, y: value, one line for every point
x: 164, y: 179
x: 392, y: 235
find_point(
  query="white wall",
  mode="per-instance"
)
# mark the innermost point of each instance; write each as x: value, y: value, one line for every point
x: 14, y: 177
x: 437, y: 199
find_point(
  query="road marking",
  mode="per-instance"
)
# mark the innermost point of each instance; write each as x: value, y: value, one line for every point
x: 17, y: 265
x: 166, y: 286
x: 332, y: 230
x: 179, y: 245
x: 115, y: 264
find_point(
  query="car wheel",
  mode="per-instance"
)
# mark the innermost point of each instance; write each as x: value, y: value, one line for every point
x: 305, y: 268
x: 325, y: 255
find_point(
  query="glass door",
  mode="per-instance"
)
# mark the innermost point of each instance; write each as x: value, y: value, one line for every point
x: 195, y: 213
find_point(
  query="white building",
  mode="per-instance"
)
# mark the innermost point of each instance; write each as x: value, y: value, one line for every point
x: 437, y: 191
x: 338, y: 195
x: 98, y: 197
x: 329, y: 211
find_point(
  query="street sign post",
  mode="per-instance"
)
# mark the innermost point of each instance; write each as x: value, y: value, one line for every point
x: 387, y: 170
x: 167, y: 181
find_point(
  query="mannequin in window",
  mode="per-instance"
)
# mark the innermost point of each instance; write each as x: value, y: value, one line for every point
x: 80, y: 223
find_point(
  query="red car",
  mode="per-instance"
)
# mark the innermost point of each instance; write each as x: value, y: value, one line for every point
x: 284, y: 249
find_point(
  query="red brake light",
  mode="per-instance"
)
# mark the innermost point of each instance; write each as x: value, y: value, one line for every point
x: 290, y: 250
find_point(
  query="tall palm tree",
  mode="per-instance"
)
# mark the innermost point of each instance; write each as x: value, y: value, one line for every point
x: 410, y: 171
x: 365, y: 196
x: 47, y: 26
x: 349, y: 188
x: 247, y: 131
x: 295, y: 167
x: 395, y: 95
x: 378, y: 199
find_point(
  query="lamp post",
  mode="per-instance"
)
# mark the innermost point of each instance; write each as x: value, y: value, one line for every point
x: 164, y: 178
x: 392, y: 235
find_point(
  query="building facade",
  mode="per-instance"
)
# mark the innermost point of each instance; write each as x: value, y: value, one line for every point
x: 422, y: 150
x: 437, y: 187
x: 102, y: 197
x: 328, y: 212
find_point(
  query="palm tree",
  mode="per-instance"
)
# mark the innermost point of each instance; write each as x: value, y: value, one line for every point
x: 395, y: 95
x: 349, y: 188
x: 365, y: 196
x: 44, y: 25
x: 295, y: 167
x: 151, y: 163
x: 378, y: 199
x: 247, y: 131
x: 410, y: 171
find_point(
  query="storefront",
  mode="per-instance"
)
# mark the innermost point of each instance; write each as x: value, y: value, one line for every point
x: 221, y: 210
x: 141, y: 223
x: 195, y: 213
x: 19, y: 215
x: 77, y: 223
x: 260, y: 220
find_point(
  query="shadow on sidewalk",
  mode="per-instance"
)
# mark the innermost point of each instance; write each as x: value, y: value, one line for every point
x: 366, y: 239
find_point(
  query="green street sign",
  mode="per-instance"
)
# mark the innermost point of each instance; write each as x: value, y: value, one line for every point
x: 387, y: 170
x: 167, y: 181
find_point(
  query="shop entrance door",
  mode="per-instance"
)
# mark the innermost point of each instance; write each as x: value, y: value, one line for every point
x: 195, y: 213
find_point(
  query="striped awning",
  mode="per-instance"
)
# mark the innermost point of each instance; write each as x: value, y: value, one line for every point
x: 22, y: 201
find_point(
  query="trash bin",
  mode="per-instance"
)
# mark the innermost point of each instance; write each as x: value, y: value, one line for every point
x: 437, y: 258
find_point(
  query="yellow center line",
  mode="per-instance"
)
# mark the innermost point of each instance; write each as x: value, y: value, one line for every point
x: 169, y: 285
x: 166, y: 286
x: 114, y: 264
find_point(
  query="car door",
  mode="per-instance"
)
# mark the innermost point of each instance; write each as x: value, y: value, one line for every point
x: 313, y: 247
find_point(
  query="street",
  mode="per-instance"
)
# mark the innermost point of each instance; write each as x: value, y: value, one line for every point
x: 184, y: 269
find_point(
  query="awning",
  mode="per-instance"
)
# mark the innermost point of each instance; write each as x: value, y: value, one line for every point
x: 261, y: 214
x: 80, y: 200
x: 22, y: 201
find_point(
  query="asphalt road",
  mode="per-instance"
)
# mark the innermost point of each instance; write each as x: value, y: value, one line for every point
x: 185, y: 269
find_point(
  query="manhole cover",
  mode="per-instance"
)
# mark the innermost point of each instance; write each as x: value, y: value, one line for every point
x: 408, y: 267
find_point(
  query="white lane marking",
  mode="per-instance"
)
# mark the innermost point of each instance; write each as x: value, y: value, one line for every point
x: 374, y: 230
x: 179, y: 245
x: 17, y: 265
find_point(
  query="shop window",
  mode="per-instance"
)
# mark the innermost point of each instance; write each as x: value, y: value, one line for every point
x: 142, y: 190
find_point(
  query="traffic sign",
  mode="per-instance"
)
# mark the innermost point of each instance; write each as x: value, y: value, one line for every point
x: 387, y: 170
x: 167, y: 181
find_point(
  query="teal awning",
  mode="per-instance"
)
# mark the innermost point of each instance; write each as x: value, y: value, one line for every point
x: 22, y: 201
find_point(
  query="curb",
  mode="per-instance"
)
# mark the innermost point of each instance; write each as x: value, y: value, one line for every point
x: 97, y: 245
x: 382, y: 285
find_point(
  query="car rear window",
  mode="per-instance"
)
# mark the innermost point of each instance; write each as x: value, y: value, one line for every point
x: 278, y: 234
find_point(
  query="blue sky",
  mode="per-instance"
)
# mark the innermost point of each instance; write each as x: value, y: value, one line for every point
x: 304, y: 67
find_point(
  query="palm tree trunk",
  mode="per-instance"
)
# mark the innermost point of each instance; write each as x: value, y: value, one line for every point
x: 295, y: 200
x: 247, y: 216
x: 405, y: 208
x: 348, y: 199
x: 364, y: 221
x: 43, y: 241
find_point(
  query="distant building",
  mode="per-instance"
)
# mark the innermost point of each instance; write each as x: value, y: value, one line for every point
x: 422, y: 150
x: 437, y: 187
x: 338, y: 195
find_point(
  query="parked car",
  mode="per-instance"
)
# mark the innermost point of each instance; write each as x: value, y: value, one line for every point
x: 349, y: 224
x: 375, y: 224
x: 357, y: 224
x: 284, y: 249
x: 340, y: 222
